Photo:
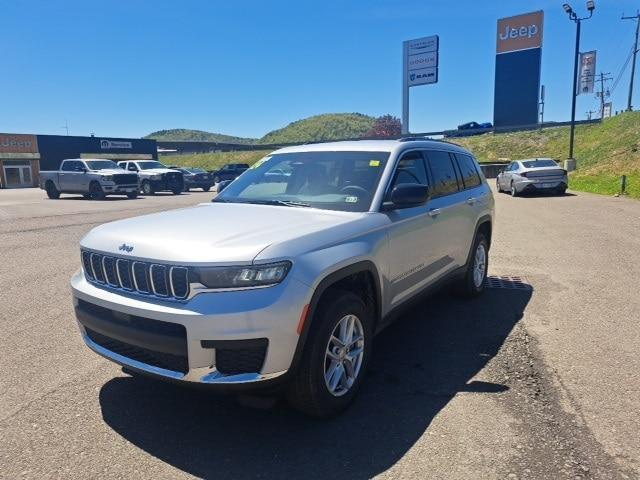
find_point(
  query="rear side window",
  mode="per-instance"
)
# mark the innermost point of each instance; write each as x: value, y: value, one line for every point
x: 443, y: 174
x: 470, y: 176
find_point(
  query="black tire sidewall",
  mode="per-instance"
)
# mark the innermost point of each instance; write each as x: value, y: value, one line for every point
x: 95, y: 193
x: 52, y: 191
x: 333, y: 308
x: 470, y: 287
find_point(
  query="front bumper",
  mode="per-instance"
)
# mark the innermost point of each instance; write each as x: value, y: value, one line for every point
x: 211, y: 323
x: 119, y: 189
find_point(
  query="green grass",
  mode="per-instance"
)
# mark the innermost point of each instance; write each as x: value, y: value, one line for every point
x: 605, y: 184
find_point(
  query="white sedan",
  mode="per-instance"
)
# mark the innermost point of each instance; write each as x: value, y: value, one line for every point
x: 533, y: 175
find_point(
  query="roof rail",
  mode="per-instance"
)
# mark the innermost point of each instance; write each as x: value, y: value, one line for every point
x: 425, y: 139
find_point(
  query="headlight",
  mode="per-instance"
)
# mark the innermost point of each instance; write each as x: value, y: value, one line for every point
x: 156, y: 177
x: 240, y: 277
x: 107, y: 178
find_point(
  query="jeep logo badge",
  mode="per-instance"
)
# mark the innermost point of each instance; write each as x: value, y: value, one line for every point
x: 125, y: 248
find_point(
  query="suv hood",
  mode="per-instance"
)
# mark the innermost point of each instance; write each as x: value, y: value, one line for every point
x: 212, y: 233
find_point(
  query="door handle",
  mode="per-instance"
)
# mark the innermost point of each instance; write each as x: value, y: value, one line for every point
x: 434, y: 212
x: 471, y: 201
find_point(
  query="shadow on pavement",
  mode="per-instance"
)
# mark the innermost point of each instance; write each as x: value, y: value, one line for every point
x: 419, y: 364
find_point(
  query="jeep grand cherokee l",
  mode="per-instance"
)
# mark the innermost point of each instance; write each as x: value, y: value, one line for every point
x: 283, y: 280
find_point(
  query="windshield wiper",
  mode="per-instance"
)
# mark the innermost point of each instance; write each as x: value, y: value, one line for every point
x: 284, y: 203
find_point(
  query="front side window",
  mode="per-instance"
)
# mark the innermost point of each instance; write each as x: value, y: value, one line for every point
x: 73, y: 166
x: 148, y: 165
x: 443, y: 174
x: 470, y: 176
x: 344, y: 181
x: 132, y: 167
x: 410, y: 169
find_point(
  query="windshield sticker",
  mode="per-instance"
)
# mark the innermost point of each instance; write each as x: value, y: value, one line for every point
x: 374, y: 163
x: 351, y: 199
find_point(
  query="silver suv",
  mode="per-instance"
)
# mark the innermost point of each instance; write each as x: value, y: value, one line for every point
x: 283, y: 280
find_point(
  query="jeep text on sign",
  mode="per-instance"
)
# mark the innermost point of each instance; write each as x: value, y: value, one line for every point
x: 520, y: 32
x: 18, y: 143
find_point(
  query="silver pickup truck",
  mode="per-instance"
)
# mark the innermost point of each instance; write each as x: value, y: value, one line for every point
x: 93, y: 178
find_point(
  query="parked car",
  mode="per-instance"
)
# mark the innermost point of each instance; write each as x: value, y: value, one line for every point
x: 94, y: 178
x: 196, y: 178
x: 155, y: 177
x: 533, y: 175
x: 230, y: 171
x: 469, y: 126
x: 284, y: 286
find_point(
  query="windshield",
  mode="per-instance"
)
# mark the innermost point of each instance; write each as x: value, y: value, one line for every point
x: 328, y: 180
x: 101, y: 164
x: 149, y: 165
x: 539, y: 163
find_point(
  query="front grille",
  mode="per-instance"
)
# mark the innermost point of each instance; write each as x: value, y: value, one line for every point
x: 234, y: 361
x: 174, y: 178
x: 126, y: 179
x: 168, y: 361
x: 164, y: 281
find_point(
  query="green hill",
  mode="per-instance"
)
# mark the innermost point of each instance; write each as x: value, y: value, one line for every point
x: 187, y: 135
x: 329, y: 126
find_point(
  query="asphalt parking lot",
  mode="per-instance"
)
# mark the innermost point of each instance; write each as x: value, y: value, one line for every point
x: 540, y: 382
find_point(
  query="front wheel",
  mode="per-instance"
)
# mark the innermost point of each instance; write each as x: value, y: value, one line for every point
x: 475, y: 277
x: 335, y: 357
x: 95, y: 191
x: 132, y: 195
x: 147, y: 189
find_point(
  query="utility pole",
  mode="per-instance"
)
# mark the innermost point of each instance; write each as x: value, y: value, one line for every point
x: 636, y: 17
x: 66, y: 126
x: 604, y: 77
x: 542, y: 92
x: 589, y: 113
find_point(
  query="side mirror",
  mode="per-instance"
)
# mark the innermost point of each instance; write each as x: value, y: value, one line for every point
x: 409, y: 195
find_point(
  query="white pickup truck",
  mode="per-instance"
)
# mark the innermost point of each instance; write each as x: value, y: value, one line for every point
x: 93, y: 178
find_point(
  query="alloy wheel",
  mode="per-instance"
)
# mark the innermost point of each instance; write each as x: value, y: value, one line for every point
x: 479, y: 265
x: 343, y: 355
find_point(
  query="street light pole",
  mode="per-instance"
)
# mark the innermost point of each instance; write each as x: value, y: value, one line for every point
x: 591, y: 6
x: 575, y: 89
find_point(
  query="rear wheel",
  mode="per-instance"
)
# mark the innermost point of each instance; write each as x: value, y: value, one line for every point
x: 473, y: 282
x: 206, y: 189
x: 514, y: 191
x: 52, y: 192
x: 95, y: 191
x: 335, y: 356
x: 498, y: 186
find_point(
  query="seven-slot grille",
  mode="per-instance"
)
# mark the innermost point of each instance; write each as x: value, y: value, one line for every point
x: 166, y: 281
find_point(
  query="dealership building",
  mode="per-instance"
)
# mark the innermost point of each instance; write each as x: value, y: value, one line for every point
x: 22, y: 157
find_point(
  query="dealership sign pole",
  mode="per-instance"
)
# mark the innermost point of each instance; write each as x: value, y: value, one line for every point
x: 419, y: 67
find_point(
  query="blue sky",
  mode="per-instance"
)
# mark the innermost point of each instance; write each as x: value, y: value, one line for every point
x: 126, y: 68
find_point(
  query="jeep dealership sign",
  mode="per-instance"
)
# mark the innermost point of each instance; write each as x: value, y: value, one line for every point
x: 518, y: 61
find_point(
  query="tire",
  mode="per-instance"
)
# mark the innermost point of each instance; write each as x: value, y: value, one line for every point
x: 473, y: 282
x: 514, y: 192
x: 146, y: 188
x: 52, y: 192
x: 86, y: 196
x: 177, y: 191
x: 310, y: 392
x: 498, y: 186
x: 95, y: 191
x: 206, y: 189
x: 132, y: 195
x: 562, y: 191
